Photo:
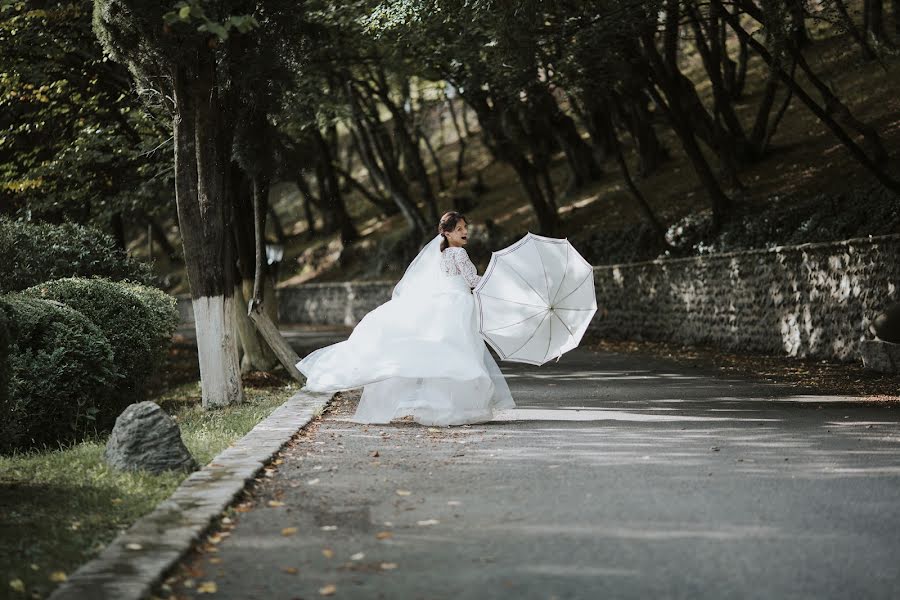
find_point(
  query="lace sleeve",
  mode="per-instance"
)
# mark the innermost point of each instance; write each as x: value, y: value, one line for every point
x: 466, y: 268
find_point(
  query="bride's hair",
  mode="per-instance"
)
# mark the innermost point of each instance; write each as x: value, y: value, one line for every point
x: 448, y: 223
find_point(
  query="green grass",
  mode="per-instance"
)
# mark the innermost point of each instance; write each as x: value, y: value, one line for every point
x: 59, y: 508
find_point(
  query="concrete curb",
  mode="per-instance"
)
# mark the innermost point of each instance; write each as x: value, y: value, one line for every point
x: 138, y: 558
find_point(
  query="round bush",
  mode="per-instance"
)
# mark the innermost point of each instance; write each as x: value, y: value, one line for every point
x: 137, y: 320
x: 61, y: 371
x: 37, y: 252
x: 9, y: 429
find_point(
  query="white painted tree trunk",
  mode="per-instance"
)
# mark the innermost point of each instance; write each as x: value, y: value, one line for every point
x: 220, y: 375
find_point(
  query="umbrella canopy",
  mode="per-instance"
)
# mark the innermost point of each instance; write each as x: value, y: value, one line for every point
x: 536, y: 299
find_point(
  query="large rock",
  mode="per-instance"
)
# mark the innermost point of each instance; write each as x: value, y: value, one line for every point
x: 887, y: 324
x: 880, y: 356
x: 145, y: 438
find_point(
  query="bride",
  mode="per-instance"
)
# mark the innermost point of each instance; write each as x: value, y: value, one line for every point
x: 419, y: 354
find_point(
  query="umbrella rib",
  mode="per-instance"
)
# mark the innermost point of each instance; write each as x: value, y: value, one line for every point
x: 565, y: 274
x: 533, y: 333
x: 580, y: 309
x: 591, y: 272
x: 514, y: 324
x: 564, y: 324
x: 544, y: 267
x: 512, y: 301
x: 526, y: 282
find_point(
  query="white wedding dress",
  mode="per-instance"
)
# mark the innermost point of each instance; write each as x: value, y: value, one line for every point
x: 420, y: 353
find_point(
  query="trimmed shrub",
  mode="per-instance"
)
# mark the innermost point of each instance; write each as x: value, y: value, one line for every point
x: 9, y: 430
x: 137, y: 320
x: 37, y: 252
x: 61, y: 371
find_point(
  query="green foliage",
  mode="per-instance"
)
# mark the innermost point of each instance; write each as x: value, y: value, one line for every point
x: 192, y: 11
x: 61, y: 371
x: 8, y: 426
x: 137, y: 321
x: 37, y: 252
x: 75, y: 143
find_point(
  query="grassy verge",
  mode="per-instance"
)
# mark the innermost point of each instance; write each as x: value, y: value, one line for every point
x: 60, y: 508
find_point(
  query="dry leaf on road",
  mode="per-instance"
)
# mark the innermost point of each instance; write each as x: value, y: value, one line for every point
x: 328, y: 590
x: 207, y: 587
x: 275, y: 503
x: 403, y: 492
x: 384, y: 535
x: 288, y: 531
x: 327, y: 552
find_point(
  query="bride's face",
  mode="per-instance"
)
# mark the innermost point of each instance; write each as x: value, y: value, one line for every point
x: 459, y: 236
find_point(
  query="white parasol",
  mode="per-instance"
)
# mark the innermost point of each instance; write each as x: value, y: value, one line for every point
x: 536, y: 299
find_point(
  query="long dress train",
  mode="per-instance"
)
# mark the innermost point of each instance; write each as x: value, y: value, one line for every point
x: 419, y: 354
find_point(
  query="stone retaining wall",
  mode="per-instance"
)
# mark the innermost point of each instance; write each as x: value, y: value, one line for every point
x: 808, y: 300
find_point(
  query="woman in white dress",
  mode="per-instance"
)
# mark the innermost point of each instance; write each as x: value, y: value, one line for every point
x: 420, y: 354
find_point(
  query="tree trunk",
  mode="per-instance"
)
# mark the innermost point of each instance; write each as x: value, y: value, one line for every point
x: 408, y: 145
x: 117, y: 224
x: 507, y: 150
x: 461, y: 140
x: 257, y: 306
x: 385, y: 206
x: 438, y: 170
x: 579, y: 156
x: 256, y: 354
x: 199, y: 175
x: 860, y: 37
x: 874, y: 10
x: 160, y: 237
x: 643, y: 205
x: 719, y: 202
x: 823, y: 114
x: 372, y: 144
x: 332, y: 200
x: 308, y: 202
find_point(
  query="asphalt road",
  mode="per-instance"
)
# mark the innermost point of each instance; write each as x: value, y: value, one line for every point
x: 617, y: 477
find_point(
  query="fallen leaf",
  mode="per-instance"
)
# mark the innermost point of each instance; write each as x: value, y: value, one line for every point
x: 214, y: 560
x: 329, y: 527
x: 375, y: 454
x: 188, y: 583
x: 313, y: 481
x: 34, y: 567
x: 327, y: 552
x: 275, y: 503
x: 17, y: 585
x: 133, y: 546
x: 207, y: 587
x: 427, y: 522
x: 384, y: 535
x: 277, y: 461
x: 328, y: 590
x: 214, y: 538
x: 116, y: 501
x: 289, y: 570
x: 358, y: 556
x: 388, y: 566
x: 288, y: 531
x: 403, y: 492
x: 58, y: 576
x: 453, y: 502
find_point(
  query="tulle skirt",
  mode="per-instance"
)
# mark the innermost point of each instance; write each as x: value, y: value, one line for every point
x: 418, y: 356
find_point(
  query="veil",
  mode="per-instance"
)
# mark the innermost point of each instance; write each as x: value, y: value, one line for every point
x: 422, y: 274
